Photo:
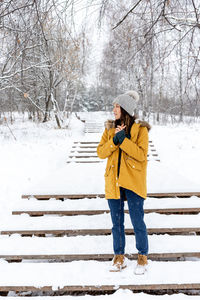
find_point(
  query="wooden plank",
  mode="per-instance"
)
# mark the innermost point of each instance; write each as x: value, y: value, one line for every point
x: 95, y: 142
x: 94, y: 147
x: 81, y: 196
x: 86, y: 143
x: 98, y: 257
x: 85, y: 147
x: 64, y: 196
x: 104, y: 288
x: 91, y: 144
x: 83, y: 156
x: 167, y: 211
x: 76, y: 232
x: 85, y: 151
x: 92, y: 161
x: 95, y: 156
x: 86, y: 162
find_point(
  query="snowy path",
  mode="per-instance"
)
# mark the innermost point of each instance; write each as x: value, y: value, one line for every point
x: 16, y: 245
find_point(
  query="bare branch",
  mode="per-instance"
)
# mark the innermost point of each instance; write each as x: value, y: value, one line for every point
x: 157, y: 19
x: 17, y: 9
x: 126, y: 15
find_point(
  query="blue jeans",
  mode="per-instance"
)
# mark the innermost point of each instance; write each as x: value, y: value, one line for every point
x: 136, y: 212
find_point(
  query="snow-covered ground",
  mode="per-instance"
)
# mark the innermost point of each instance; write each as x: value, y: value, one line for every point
x: 36, y: 163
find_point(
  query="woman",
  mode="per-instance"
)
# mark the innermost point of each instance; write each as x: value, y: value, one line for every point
x: 125, y: 144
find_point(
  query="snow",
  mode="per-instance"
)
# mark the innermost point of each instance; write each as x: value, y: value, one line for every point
x: 100, y: 204
x: 17, y: 245
x: 58, y: 181
x: 164, y: 176
x: 96, y: 273
x: 179, y: 147
x: 102, y: 221
x: 36, y: 163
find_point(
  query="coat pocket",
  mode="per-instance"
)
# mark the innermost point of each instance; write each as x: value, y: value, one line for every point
x: 133, y: 163
x: 109, y: 180
x: 107, y: 171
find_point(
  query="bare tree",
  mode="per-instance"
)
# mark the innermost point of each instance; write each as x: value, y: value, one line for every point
x: 42, y: 54
x: 154, y: 47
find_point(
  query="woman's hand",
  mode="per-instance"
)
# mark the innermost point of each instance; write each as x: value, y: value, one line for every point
x: 119, y: 128
x: 119, y: 134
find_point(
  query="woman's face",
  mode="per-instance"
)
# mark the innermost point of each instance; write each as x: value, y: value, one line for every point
x: 117, y: 111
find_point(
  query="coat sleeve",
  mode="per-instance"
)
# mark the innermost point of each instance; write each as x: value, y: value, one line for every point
x: 139, y: 149
x: 106, y: 146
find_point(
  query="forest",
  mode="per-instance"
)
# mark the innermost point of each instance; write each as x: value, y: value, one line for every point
x: 47, y: 53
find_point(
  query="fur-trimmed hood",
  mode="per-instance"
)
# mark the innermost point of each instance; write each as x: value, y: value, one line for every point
x: 111, y: 124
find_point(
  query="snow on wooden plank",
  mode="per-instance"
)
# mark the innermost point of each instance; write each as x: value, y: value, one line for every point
x: 95, y: 274
x: 82, y: 156
x: 102, y: 221
x: 83, y: 147
x: 98, y: 257
x: 116, y: 295
x: 76, y: 232
x: 87, y: 142
x: 85, y: 151
x: 99, y: 245
x: 102, y: 204
x: 89, y: 155
x: 83, y: 161
x: 104, y: 288
x: 63, y: 196
x: 92, y: 160
x: 81, y: 196
x: 167, y: 211
x: 97, y: 142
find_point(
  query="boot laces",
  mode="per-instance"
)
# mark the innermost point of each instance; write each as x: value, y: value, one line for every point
x: 118, y: 259
x: 142, y: 260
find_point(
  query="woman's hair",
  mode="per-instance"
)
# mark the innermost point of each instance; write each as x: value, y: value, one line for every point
x: 127, y: 119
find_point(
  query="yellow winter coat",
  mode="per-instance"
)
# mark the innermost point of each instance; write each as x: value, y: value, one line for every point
x: 133, y: 165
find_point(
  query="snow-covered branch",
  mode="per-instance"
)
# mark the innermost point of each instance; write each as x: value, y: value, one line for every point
x: 39, y: 65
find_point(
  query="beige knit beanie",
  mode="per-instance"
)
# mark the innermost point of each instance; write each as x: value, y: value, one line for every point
x: 128, y: 101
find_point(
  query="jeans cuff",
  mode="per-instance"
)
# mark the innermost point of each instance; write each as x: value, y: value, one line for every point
x: 143, y: 253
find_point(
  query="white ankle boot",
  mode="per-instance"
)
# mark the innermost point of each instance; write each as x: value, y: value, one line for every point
x: 119, y: 262
x: 141, y: 265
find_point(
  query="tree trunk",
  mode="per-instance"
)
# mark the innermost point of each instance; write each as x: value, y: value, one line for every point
x: 47, y: 106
